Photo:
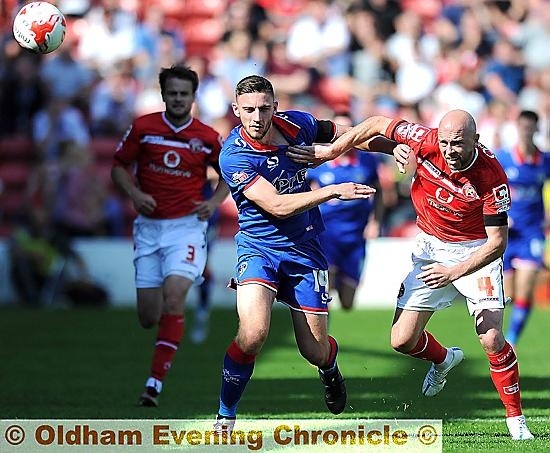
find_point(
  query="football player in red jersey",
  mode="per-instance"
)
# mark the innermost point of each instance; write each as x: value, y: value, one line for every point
x: 461, y: 197
x: 170, y: 151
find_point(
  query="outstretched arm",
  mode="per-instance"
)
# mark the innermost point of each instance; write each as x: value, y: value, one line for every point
x: 282, y: 206
x: 357, y: 137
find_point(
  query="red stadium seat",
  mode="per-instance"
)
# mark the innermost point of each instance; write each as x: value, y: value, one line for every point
x: 181, y: 9
x: 16, y: 148
x: 104, y: 148
x: 12, y: 203
x: 14, y: 175
x: 202, y: 34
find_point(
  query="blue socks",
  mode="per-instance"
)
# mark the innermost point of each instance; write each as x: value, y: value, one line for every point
x: 237, y: 370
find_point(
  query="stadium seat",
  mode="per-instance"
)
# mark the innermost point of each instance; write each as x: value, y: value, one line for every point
x: 12, y: 203
x: 202, y: 34
x: 336, y: 93
x: 14, y: 175
x: 104, y: 148
x: 16, y: 148
x: 181, y: 9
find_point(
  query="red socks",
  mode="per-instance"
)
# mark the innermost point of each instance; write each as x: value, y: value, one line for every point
x: 505, y: 376
x: 428, y: 348
x: 169, y: 335
x: 237, y: 355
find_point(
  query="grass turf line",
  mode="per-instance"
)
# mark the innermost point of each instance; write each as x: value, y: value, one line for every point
x: 57, y: 362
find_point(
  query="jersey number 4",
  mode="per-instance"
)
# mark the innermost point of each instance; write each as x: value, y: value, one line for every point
x: 484, y: 284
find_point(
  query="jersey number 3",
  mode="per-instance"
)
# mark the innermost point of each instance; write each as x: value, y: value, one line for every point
x: 190, y: 254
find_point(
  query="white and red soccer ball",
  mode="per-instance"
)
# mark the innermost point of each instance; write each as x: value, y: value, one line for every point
x: 39, y: 27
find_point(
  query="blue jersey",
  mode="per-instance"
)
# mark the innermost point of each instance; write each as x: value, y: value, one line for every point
x: 244, y: 161
x: 346, y: 220
x: 526, y: 180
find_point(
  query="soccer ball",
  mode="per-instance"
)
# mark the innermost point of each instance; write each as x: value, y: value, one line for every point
x: 39, y: 27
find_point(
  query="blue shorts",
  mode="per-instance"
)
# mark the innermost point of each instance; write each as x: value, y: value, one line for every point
x: 525, y: 247
x: 297, y: 274
x: 347, y: 257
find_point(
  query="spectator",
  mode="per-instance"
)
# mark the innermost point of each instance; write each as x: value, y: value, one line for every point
x: 22, y: 95
x: 58, y: 122
x: 66, y: 77
x: 112, y: 102
x: 319, y: 38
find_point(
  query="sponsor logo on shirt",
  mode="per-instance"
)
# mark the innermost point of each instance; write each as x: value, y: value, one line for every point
x: 272, y: 162
x: 239, y: 177
x: 502, y: 198
x: 284, y: 185
x: 171, y: 159
x: 443, y: 195
x: 444, y: 208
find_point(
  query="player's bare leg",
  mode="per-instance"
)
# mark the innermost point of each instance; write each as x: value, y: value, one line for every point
x: 254, y: 303
x: 170, y: 331
x: 409, y: 336
x: 504, y: 369
x: 346, y: 291
x: 320, y: 349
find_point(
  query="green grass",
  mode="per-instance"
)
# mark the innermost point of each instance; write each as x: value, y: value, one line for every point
x: 93, y: 363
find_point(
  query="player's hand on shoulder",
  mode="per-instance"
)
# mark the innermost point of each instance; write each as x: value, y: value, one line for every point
x: 144, y: 203
x: 312, y: 156
x: 401, y: 155
x: 353, y: 191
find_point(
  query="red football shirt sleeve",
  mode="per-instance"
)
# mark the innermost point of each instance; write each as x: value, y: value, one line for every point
x: 496, y: 200
x: 128, y: 148
x: 391, y: 128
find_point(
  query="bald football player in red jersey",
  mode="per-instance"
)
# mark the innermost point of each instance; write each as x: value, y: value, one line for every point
x: 161, y: 165
x: 461, y: 197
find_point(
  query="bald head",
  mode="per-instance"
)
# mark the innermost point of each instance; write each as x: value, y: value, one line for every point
x: 456, y: 120
x: 457, y: 138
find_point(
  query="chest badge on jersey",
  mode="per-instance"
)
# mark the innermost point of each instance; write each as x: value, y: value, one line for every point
x: 470, y: 192
x: 196, y: 145
x: 171, y: 159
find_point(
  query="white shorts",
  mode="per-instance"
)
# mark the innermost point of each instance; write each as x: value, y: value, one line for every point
x: 164, y: 247
x: 483, y: 289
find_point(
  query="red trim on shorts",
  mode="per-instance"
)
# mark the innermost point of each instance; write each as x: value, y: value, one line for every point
x: 258, y: 281
x: 303, y: 308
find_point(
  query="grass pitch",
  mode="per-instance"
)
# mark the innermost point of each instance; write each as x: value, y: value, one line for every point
x: 91, y: 364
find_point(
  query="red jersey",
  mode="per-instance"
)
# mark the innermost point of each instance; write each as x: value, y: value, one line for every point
x: 171, y: 161
x: 451, y: 205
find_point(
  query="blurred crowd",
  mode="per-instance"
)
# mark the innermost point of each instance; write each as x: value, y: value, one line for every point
x: 410, y: 58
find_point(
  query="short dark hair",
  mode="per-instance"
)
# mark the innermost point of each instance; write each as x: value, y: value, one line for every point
x: 529, y: 115
x: 254, y: 84
x: 178, y: 72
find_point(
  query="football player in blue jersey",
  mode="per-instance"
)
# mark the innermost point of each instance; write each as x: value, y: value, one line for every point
x: 527, y: 169
x: 344, y: 238
x: 279, y: 253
